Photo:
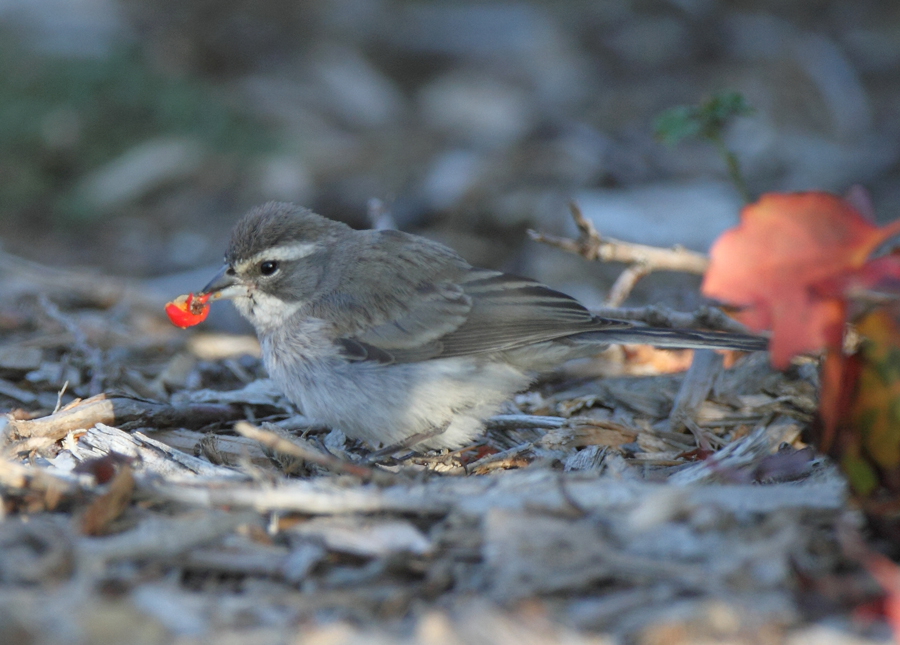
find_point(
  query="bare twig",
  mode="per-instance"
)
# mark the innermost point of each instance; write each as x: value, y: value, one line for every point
x: 625, y: 283
x: 642, y: 259
x: 504, y: 459
x: 516, y: 421
x: 695, y: 388
x: 92, y: 355
x: 59, y: 397
x: 656, y: 316
x: 224, y: 450
x: 329, y: 462
x: 591, y: 246
x: 120, y: 411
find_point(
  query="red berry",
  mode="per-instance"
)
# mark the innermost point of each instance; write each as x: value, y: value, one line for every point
x: 186, y: 311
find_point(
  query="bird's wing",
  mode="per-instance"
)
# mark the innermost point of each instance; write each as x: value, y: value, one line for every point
x: 432, y: 304
x: 505, y: 312
x: 509, y: 312
x: 400, y: 294
x: 430, y: 313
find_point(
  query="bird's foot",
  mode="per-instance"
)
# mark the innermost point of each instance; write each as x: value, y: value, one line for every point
x: 406, y: 444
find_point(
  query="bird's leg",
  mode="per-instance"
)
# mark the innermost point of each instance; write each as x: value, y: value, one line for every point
x: 409, y: 442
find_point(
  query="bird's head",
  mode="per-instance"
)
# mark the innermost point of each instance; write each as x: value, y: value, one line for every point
x: 275, y: 261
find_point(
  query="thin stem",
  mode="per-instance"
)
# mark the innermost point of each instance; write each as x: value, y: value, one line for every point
x: 734, y: 167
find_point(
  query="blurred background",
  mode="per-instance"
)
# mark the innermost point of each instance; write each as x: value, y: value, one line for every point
x: 134, y: 132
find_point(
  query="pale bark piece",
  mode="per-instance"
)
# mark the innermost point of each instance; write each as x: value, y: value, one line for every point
x: 259, y: 392
x: 476, y: 496
x: 695, y: 388
x: 364, y: 536
x: 741, y: 456
x: 16, y: 358
x: 158, y: 537
x: 120, y: 411
x: 149, y: 456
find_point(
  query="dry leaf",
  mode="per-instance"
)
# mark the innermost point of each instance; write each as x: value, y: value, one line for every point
x: 786, y: 264
x: 110, y: 504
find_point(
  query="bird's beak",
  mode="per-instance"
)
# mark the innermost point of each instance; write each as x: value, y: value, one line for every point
x: 225, y: 285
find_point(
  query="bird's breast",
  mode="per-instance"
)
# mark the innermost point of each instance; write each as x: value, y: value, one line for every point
x: 297, y: 342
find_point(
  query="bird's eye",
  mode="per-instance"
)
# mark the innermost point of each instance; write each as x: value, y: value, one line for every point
x: 230, y: 271
x: 268, y: 268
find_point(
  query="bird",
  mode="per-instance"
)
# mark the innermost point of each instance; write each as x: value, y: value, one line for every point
x: 395, y: 339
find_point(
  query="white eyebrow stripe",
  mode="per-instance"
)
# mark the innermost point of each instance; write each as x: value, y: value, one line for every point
x: 284, y: 253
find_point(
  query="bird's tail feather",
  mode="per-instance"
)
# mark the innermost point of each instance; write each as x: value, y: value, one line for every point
x: 677, y: 338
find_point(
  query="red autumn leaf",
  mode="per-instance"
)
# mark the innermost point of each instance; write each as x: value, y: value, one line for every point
x: 774, y: 263
x: 187, y: 310
x: 881, y: 275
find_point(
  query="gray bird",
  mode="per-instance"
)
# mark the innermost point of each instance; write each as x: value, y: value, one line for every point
x: 395, y: 339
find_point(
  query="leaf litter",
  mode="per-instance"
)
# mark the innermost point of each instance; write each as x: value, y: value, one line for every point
x: 196, y: 508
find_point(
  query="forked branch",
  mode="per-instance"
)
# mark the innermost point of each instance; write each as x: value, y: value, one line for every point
x: 642, y: 259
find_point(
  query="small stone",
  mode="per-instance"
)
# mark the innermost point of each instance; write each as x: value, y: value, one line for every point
x: 476, y: 109
x: 20, y: 359
x: 651, y: 42
x: 142, y: 169
x: 358, y: 92
x: 335, y: 440
x: 451, y: 176
x: 285, y: 178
